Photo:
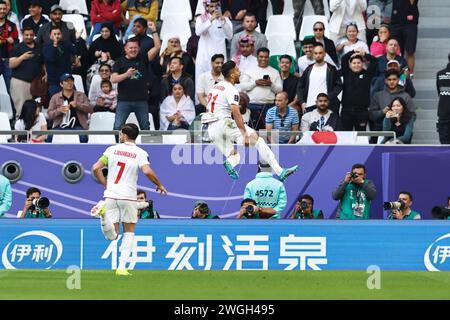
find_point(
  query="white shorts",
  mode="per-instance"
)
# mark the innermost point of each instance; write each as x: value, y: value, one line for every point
x: 227, y: 130
x: 121, y: 211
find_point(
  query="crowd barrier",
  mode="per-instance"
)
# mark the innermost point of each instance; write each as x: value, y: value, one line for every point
x: 230, y: 245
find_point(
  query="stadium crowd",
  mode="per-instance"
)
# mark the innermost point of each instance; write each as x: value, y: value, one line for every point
x: 360, y: 78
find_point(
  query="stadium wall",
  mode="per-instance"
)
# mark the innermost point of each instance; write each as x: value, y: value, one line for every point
x: 193, y: 172
x: 230, y: 245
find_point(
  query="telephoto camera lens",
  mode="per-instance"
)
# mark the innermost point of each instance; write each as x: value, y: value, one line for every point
x: 41, y: 203
x: 249, y: 211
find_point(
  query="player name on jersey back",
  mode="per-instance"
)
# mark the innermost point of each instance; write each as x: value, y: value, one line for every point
x: 220, y: 98
x: 124, y: 163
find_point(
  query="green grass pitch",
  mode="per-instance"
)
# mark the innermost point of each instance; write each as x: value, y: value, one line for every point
x: 223, y: 285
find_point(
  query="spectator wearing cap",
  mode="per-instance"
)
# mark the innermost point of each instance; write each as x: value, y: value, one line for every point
x: 307, y: 59
x: 26, y: 63
x: 57, y: 56
x: 344, y: 13
x: 404, y: 82
x: 105, y: 11
x: 69, y: 109
x: 261, y: 83
x: 319, y: 36
x: 207, y: 80
x: 36, y: 20
x: 282, y: 119
x: 290, y: 81
x: 249, y: 24
x: 68, y: 33
x: 268, y: 193
x: 9, y: 35
x: 213, y: 29
x: 244, y: 56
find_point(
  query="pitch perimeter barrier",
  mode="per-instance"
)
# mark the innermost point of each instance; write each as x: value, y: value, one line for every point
x: 230, y: 245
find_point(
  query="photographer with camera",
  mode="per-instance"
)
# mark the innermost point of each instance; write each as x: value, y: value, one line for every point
x: 355, y: 193
x: 268, y: 192
x: 304, y: 209
x: 202, y: 211
x: 148, y: 212
x: 35, y: 205
x: 250, y: 210
x: 442, y: 213
x: 401, y: 209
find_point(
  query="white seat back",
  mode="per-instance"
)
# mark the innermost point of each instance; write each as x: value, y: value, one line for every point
x: 102, y: 121
x: 174, y: 138
x: 71, y: 5
x: 282, y: 45
x: 78, y: 22
x: 308, y: 24
x: 178, y: 7
x: 280, y: 25
x: 78, y: 83
x: 4, y: 126
x: 65, y: 139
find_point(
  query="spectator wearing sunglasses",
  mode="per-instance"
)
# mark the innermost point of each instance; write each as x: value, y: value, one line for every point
x: 281, y: 119
x: 328, y: 44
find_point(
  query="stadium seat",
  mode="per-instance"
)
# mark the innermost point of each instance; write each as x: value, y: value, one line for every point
x: 175, y: 25
x: 280, y: 25
x: 74, y: 5
x: 78, y: 22
x: 27, y: 16
x: 65, y: 139
x: 282, y: 45
x: 4, y: 125
x: 176, y: 7
x: 100, y: 121
x: 78, y: 82
x: 174, y: 138
x: 132, y: 119
x: 288, y: 9
x: 362, y: 140
x: 308, y: 24
x: 5, y: 100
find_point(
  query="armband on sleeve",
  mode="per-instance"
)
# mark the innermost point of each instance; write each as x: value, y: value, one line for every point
x: 104, y: 159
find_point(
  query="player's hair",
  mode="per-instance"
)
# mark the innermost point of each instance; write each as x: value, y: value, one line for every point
x: 263, y: 49
x: 322, y: 95
x: 27, y: 28
x: 177, y: 58
x: 217, y: 56
x: 359, y: 166
x: 284, y: 93
x: 31, y: 190
x: 307, y: 197
x: 357, y: 57
x: 106, y: 82
x: 391, y: 72
x: 140, y: 191
x: 286, y: 56
x: 131, y: 130
x: 142, y: 22
x: 407, y: 193
x: 248, y: 200
x: 227, y: 67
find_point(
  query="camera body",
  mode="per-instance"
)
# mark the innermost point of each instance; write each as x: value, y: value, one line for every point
x: 204, y: 209
x: 394, y: 205
x: 440, y: 212
x: 40, y: 204
x: 353, y: 175
x: 249, y: 212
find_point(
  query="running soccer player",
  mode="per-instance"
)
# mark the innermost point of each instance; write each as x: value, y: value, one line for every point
x: 123, y: 162
x: 223, y: 103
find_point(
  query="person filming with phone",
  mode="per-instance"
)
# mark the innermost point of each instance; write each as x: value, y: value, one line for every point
x: 355, y: 194
x: 400, y: 120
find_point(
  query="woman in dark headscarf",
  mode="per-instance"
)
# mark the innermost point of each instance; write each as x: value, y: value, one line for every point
x: 106, y: 46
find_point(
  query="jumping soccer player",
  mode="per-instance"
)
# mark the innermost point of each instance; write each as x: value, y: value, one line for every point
x: 223, y: 103
x: 123, y: 161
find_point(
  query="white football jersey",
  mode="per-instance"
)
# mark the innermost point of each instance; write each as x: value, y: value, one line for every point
x: 220, y: 98
x: 124, y: 162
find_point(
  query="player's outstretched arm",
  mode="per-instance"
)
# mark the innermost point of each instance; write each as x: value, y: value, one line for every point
x: 97, y: 170
x: 153, y: 178
x: 240, y: 122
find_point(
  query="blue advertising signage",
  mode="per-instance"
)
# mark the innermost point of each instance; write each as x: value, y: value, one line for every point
x: 230, y: 245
